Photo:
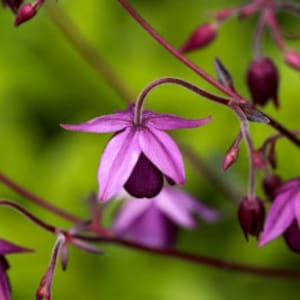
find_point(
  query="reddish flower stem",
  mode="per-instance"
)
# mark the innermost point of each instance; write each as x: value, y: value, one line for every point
x: 39, y: 201
x: 171, y: 80
x: 280, y: 128
x: 29, y: 215
x: 201, y: 259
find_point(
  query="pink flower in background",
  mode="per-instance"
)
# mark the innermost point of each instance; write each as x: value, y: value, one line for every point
x: 154, y: 222
x: 138, y: 156
x: 284, y: 215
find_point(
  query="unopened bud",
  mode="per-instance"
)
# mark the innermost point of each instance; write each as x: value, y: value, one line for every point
x: 26, y: 12
x: 263, y: 81
x: 292, y: 58
x: 231, y: 157
x: 201, y: 37
x: 251, y: 214
x: 270, y: 184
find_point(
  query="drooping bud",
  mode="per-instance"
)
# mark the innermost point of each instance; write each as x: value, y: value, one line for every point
x: 251, y: 214
x: 201, y: 37
x: 292, y: 58
x: 25, y: 13
x: 270, y: 185
x: 231, y: 157
x: 263, y: 81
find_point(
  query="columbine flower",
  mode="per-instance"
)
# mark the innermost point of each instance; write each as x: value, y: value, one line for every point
x: 7, y: 248
x: 154, y: 222
x: 284, y: 215
x: 138, y: 156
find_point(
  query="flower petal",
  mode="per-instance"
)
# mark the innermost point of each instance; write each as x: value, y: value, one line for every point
x: 170, y: 203
x: 279, y: 218
x: 169, y: 121
x: 163, y: 152
x: 5, y: 289
x: 103, y: 124
x: 117, y: 162
x: 130, y: 211
x: 7, y: 247
x: 153, y: 229
x: 195, y: 206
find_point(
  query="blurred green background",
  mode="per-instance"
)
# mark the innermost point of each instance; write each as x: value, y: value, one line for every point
x: 44, y: 82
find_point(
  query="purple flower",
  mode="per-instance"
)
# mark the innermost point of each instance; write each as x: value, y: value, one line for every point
x: 7, y: 248
x: 138, y: 156
x: 284, y: 215
x: 154, y: 222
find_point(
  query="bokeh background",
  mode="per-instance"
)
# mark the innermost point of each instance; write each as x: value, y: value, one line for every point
x: 44, y: 82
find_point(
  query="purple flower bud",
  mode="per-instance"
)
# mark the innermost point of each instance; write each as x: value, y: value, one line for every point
x: 25, y: 13
x: 263, y: 81
x: 251, y: 215
x: 201, y: 37
x: 292, y: 58
x: 231, y: 157
x: 270, y: 184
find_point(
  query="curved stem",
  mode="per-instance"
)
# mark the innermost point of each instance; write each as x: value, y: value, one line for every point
x: 91, y: 55
x: 171, y: 80
x: 201, y: 259
x: 30, y: 216
x: 39, y: 201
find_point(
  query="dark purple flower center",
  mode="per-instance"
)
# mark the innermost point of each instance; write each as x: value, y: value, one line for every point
x: 146, y: 180
x: 292, y: 237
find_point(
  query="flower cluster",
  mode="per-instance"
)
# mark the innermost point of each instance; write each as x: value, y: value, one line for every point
x: 262, y: 75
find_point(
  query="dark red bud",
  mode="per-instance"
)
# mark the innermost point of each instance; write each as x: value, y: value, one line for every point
x: 26, y: 12
x: 270, y: 185
x: 263, y: 81
x: 251, y: 214
x: 201, y: 37
x: 292, y: 58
